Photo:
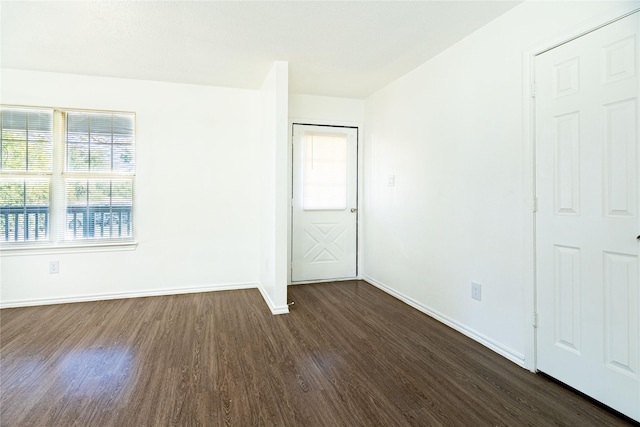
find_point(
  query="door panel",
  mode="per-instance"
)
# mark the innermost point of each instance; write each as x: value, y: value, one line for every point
x: 587, y: 185
x: 324, y: 214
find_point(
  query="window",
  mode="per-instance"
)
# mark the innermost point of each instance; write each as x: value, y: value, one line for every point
x: 66, y: 176
x: 325, y: 172
x: 26, y: 166
x: 98, y: 175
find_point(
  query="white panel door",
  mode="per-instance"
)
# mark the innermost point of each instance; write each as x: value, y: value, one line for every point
x: 587, y: 185
x: 324, y: 213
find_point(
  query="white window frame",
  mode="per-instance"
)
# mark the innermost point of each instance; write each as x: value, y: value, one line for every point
x: 56, y: 242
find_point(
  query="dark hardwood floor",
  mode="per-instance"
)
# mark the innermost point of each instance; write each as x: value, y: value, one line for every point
x: 346, y: 355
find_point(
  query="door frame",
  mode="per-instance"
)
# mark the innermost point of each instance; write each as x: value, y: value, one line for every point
x: 529, y: 179
x: 359, y: 190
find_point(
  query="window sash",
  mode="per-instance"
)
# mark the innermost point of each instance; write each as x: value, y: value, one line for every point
x: 98, y: 208
x: 24, y: 209
x: 26, y: 140
x: 99, y: 142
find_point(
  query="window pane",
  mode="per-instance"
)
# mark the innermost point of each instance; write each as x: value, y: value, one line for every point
x: 26, y: 140
x: 123, y: 143
x: 40, y: 152
x: 100, y: 159
x: 99, y: 142
x: 123, y: 158
x: 100, y: 126
x: 14, y: 151
x: 77, y: 157
x: 99, y: 208
x: 325, y: 172
x: 123, y: 127
x: 24, y: 209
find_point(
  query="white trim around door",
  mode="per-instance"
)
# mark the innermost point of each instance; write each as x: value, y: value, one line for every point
x: 359, y: 236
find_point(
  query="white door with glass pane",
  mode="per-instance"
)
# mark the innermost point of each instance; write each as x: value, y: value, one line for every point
x: 587, y: 255
x: 324, y: 203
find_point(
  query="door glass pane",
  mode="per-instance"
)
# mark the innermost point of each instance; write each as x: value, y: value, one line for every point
x: 324, y: 174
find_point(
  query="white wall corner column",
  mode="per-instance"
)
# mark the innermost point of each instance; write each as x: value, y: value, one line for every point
x: 274, y: 100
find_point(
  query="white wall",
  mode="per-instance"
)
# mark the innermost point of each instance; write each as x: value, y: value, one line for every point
x: 325, y: 110
x: 196, y: 144
x: 452, y: 133
x: 273, y: 193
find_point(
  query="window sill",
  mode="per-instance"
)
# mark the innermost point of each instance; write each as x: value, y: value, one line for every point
x: 71, y: 248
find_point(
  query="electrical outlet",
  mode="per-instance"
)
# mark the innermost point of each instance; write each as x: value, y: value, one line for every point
x: 476, y: 291
x: 54, y: 267
x: 391, y: 180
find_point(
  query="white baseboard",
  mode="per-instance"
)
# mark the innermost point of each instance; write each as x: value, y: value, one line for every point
x: 275, y: 309
x: 122, y: 295
x: 502, y: 350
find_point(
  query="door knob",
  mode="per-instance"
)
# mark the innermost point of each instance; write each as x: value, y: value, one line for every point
x: 354, y: 210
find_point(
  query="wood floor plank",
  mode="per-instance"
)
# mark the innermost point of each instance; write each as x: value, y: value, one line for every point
x: 347, y: 355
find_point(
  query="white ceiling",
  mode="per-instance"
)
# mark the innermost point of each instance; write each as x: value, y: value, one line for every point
x: 334, y: 48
